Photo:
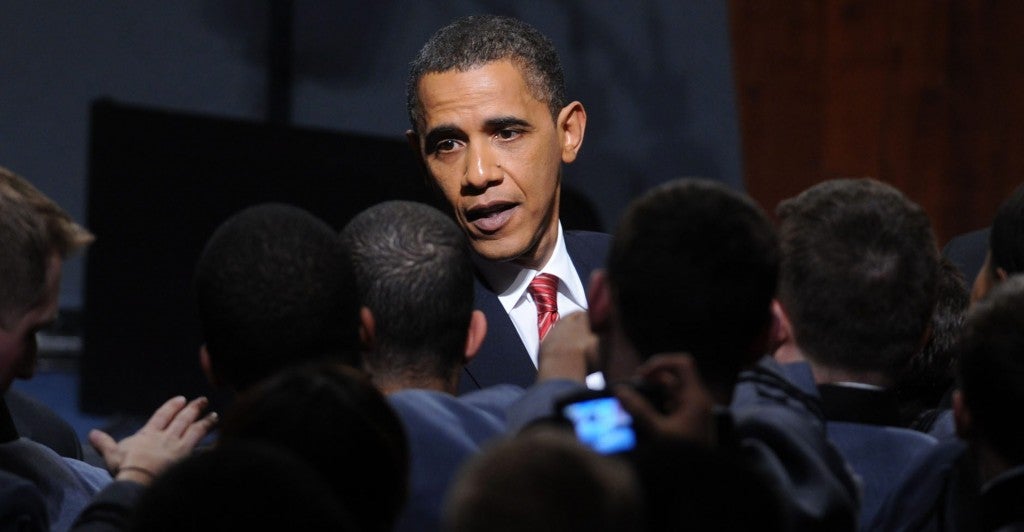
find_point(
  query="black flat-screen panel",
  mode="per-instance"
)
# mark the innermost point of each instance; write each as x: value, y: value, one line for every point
x: 159, y: 184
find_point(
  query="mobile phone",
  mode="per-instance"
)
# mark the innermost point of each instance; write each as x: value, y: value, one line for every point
x: 599, y: 421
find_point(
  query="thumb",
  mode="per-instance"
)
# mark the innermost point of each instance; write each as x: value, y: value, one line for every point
x: 102, y: 442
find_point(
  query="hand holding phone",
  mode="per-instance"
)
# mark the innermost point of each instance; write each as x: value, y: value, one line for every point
x: 687, y: 408
x: 600, y: 421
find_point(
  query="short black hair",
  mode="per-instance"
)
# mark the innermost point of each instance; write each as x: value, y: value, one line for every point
x: 274, y: 287
x: 930, y: 373
x: 414, y: 272
x: 332, y: 417
x: 992, y: 368
x: 543, y: 479
x: 1006, y: 240
x: 242, y: 486
x: 859, y: 270
x: 693, y: 267
x: 475, y: 40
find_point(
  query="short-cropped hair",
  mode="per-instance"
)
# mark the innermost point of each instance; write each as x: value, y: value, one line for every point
x: 241, y: 486
x: 275, y: 288
x: 414, y: 272
x: 693, y: 267
x: 859, y: 270
x: 332, y: 417
x: 473, y: 41
x: 992, y: 368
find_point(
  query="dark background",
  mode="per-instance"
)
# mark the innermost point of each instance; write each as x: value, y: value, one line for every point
x: 198, y: 97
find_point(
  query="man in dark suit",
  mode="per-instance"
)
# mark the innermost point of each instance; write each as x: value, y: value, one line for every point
x: 415, y: 281
x: 975, y: 482
x: 857, y: 288
x: 692, y: 272
x: 492, y: 126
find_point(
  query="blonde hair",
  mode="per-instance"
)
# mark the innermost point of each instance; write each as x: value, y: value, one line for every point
x: 32, y: 228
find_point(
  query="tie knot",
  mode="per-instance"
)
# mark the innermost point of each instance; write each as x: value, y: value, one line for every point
x: 544, y: 289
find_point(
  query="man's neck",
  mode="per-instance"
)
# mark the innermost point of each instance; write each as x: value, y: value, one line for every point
x: 832, y: 375
x: 389, y: 384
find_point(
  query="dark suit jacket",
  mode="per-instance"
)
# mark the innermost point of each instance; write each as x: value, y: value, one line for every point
x: 968, y: 251
x: 863, y: 424
x: 502, y: 358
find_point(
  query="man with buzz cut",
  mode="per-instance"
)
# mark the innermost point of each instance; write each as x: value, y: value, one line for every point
x: 414, y: 277
x: 491, y: 124
x: 685, y: 306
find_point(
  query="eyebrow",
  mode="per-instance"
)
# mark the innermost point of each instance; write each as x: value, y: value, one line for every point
x: 503, y: 122
x: 450, y: 131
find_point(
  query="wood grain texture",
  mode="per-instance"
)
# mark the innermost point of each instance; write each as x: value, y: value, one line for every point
x: 923, y: 94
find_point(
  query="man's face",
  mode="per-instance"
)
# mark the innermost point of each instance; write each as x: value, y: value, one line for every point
x: 18, y: 343
x: 495, y: 152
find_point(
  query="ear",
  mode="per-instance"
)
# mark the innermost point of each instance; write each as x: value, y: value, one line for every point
x: 571, y: 123
x: 414, y: 143
x: 367, y: 328
x: 962, y: 416
x: 781, y: 342
x: 599, y: 301
x: 475, y: 335
x: 1001, y: 274
x: 782, y: 329
x: 207, y: 365
x: 983, y: 281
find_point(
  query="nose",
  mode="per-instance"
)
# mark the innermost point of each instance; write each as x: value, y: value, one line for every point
x: 483, y: 169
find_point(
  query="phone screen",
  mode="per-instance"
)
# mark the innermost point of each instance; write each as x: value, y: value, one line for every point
x: 602, y: 424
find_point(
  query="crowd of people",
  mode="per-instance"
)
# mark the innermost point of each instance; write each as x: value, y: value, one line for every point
x: 418, y: 370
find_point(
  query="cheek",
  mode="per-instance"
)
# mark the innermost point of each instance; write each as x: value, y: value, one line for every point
x: 445, y: 178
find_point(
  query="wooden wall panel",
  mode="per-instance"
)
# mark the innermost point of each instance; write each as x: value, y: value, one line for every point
x: 923, y: 94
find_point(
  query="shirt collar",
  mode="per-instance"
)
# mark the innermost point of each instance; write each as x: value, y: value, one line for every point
x: 510, y: 281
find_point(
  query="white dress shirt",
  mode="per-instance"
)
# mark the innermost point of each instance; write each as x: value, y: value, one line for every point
x: 510, y: 282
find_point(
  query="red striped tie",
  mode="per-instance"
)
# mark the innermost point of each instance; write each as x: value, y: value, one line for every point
x: 544, y: 289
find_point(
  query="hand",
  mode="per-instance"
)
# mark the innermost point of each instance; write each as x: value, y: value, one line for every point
x: 569, y: 350
x: 689, y: 405
x: 169, y: 435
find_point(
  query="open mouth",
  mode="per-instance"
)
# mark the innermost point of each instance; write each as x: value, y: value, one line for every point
x: 492, y: 217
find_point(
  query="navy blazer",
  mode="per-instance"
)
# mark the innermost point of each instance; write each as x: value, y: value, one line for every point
x: 502, y: 358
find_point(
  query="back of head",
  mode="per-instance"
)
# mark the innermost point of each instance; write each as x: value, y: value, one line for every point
x: 543, y: 481
x: 240, y: 487
x: 275, y: 288
x: 475, y: 40
x: 929, y: 374
x: 859, y: 267
x: 693, y: 267
x: 414, y: 272
x: 992, y: 369
x: 333, y: 418
x: 32, y: 229
x: 1006, y: 241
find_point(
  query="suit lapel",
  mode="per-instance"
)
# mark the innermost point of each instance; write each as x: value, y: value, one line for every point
x: 502, y: 357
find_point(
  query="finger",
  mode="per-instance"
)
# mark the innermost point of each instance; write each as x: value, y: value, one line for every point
x: 198, y: 430
x: 671, y: 371
x: 672, y: 362
x: 106, y: 446
x: 644, y: 414
x: 186, y: 416
x: 164, y: 414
